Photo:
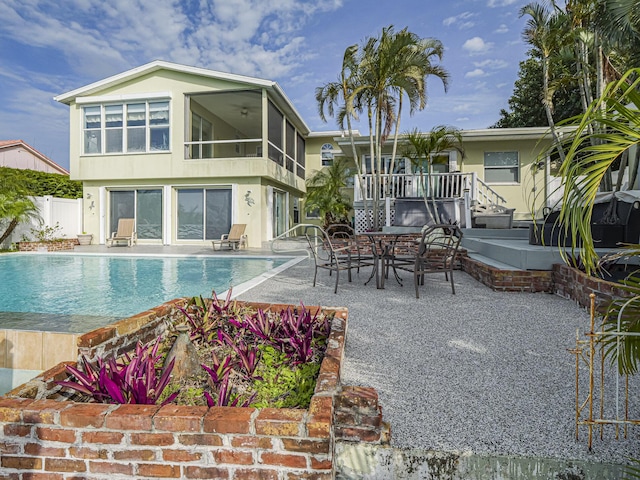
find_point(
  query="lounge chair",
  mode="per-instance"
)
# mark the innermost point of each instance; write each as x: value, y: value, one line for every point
x: 235, y: 239
x: 126, y: 233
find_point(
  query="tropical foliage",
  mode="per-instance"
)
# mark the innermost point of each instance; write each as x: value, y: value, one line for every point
x: 39, y: 184
x: 135, y: 378
x: 248, y: 357
x: 15, y: 205
x: 608, y: 133
x: 525, y: 107
x: 375, y: 79
x: 425, y: 149
x: 326, y: 193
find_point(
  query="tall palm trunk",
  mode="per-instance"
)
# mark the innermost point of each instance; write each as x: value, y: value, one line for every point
x: 394, y: 149
x: 547, y: 102
x: 374, y: 173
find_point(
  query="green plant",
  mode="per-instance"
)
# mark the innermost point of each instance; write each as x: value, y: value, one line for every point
x: 283, y: 385
x: 39, y: 184
x: 48, y: 233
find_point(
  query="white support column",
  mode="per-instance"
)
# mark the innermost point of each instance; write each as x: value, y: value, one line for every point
x: 269, y: 226
x: 167, y: 213
x: 467, y: 208
x: 474, y: 186
x: 387, y: 209
x: 102, y: 193
x: 80, y: 214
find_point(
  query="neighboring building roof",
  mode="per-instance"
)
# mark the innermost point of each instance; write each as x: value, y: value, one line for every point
x: 11, y: 156
x: 156, y: 65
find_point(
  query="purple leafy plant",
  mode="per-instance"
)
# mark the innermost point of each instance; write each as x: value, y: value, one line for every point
x: 219, y: 376
x: 206, y: 316
x: 133, y: 379
x: 248, y: 356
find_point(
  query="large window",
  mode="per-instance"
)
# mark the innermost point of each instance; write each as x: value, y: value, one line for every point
x: 147, y: 128
x: 501, y: 167
x: 203, y: 213
x: 144, y: 205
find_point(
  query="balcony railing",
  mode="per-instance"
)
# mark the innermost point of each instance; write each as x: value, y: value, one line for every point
x: 443, y: 185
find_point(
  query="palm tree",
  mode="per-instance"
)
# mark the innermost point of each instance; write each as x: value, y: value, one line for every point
x: 15, y: 206
x: 544, y: 30
x: 425, y: 149
x: 374, y: 79
x: 343, y: 95
x: 588, y: 161
x: 617, y: 114
x: 325, y: 193
x: 392, y: 66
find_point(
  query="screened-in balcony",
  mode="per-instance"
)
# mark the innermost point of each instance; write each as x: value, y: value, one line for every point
x: 230, y: 125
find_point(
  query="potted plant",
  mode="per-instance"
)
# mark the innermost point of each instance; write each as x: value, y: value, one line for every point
x: 85, y: 238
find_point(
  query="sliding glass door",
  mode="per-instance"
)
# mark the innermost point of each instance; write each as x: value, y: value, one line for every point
x: 143, y: 205
x: 203, y: 213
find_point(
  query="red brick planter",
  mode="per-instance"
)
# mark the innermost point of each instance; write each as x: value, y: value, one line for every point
x: 47, y: 436
x: 57, y: 246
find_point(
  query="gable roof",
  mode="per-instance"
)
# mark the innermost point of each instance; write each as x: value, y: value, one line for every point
x: 10, y: 144
x: 157, y: 65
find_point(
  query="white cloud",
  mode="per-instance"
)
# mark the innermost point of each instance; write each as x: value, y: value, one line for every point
x: 478, y: 72
x: 500, y: 3
x: 492, y: 64
x: 462, y: 21
x: 98, y: 38
x: 477, y: 45
x: 502, y: 29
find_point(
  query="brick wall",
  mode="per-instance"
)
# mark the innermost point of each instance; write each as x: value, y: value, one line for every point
x: 57, y: 246
x: 44, y: 437
x: 572, y: 283
x: 508, y: 280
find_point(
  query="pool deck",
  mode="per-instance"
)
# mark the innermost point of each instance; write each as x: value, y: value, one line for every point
x: 477, y: 373
x: 172, y: 250
x: 480, y: 372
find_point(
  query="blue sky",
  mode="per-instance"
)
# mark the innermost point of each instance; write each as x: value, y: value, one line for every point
x: 48, y: 48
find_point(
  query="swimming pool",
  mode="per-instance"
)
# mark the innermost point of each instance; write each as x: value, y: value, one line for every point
x: 76, y: 293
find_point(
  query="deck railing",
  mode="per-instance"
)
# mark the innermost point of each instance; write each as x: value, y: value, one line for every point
x: 443, y: 185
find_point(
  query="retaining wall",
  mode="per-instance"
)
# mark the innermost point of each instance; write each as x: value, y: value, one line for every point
x: 55, y: 246
x: 48, y: 436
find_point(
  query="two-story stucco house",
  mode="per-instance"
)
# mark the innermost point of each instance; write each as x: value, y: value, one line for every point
x: 187, y: 152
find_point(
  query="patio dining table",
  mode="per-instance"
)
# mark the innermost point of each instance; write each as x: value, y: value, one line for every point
x: 382, y: 246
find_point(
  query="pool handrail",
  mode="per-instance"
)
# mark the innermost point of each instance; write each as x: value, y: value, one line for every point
x: 287, y: 234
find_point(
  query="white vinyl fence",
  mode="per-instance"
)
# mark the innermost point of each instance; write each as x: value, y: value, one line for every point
x: 65, y: 212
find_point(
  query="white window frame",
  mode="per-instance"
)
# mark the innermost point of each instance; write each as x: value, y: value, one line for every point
x: 148, y: 127
x: 502, y: 167
x: 326, y: 155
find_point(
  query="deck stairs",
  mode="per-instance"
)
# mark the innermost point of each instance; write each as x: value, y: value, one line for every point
x: 509, y: 249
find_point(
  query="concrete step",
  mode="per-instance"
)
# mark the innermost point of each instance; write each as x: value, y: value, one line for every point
x: 515, y: 252
x: 491, y: 262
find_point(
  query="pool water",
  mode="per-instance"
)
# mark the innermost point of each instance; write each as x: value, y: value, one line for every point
x: 71, y: 293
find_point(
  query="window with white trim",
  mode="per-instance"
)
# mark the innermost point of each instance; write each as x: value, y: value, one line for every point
x: 501, y: 167
x: 135, y: 127
x: 326, y: 152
